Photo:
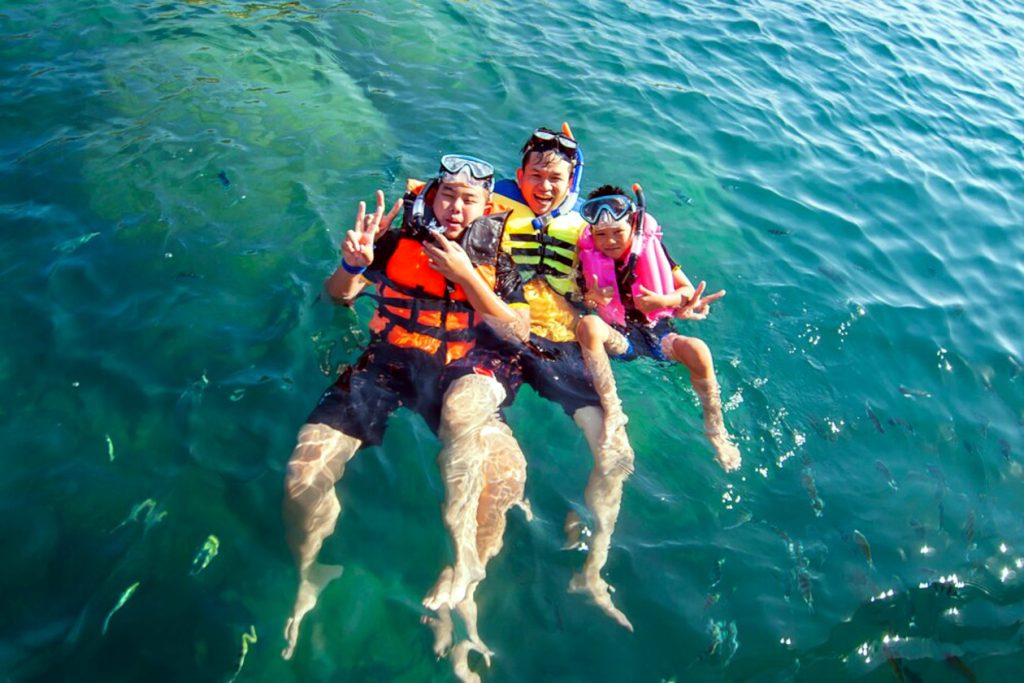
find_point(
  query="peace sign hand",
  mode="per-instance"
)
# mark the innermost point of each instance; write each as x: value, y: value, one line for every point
x: 357, y: 249
x: 696, y: 308
x: 597, y: 295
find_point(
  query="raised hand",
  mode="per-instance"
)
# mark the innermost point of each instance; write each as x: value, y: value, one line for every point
x: 696, y: 307
x: 357, y: 248
x: 448, y: 258
x: 597, y: 295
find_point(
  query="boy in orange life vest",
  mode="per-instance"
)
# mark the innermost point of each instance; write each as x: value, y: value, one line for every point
x: 636, y: 289
x: 437, y: 276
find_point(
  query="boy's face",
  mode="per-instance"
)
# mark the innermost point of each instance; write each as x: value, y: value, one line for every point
x: 613, y: 238
x: 544, y: 180
x: 456, y: 205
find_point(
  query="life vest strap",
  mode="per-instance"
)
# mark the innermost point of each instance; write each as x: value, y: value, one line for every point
x: 542, y: 238
x: 414, y: 325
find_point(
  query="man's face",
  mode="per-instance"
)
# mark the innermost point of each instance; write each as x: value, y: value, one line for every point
x: 456, y: 205
x: 544, y: 180
x: 613, y: 238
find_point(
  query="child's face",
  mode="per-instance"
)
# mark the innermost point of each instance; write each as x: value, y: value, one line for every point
x: 456, y: 205
x: 613, y: 238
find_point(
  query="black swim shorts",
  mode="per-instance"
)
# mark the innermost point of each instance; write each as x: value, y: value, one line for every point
x: 555, y: 370
x: 383, y: 379
x: 645, y: 340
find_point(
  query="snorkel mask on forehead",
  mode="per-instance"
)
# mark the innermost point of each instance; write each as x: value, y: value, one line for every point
x: 565, y: 145
x: 463, y: 168
x: 545, y: 139
x: 454, y: 168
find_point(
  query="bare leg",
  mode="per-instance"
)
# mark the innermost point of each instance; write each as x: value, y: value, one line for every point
x: 441, y: 625
x: 612, y: 466
x: 311, y: 508
x: 696, y: 356
x: 502, y: 477
x: 597, y: 339
x: 468, y: 420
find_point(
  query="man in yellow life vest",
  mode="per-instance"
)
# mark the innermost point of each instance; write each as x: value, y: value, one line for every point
x: 438, y: 277
x: 540, y: 235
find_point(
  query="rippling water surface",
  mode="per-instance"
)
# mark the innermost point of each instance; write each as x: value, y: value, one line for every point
x: 175, y: 179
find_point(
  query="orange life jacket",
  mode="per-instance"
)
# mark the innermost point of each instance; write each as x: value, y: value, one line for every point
x: 417, y: 307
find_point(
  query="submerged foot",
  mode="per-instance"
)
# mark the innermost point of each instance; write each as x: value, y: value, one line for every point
x: 443, y: 629
x: 727, y: 454
x: 600, y: 594
x: 460, y: 662
x: 452, y: 586
x: 314, y: 579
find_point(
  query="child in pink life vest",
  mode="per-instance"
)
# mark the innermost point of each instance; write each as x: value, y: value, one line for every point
x: 636, y: 289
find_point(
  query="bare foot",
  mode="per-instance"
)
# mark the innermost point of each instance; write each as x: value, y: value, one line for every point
x: 315, y: 578
x: 600, y: 593
x: 452, y: 586
x: 460, y: 661
x: 443, y: 630
x: 726, y: 452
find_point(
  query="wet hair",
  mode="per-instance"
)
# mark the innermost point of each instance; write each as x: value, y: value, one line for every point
x: 607, y: 191
x: 553, y: 152
x: 544, y: 149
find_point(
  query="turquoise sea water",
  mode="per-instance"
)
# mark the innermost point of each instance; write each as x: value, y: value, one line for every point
x: 174, y: 181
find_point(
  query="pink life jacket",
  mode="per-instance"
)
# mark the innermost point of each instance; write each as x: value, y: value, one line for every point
x: 653, y: 270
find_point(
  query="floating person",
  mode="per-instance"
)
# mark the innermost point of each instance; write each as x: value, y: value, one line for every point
x: 541, y: 236
x: 636, y: 289
x: 438, y: 276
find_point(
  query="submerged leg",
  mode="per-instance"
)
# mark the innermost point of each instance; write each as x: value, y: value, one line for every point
x: 612, y: 466
x: 468, y: 418
x: 504, y: 475
x: 696, y: 356
x: 311, y: 508
x: 597, y: 340
x: 441, y: 625
x: 501, y: 474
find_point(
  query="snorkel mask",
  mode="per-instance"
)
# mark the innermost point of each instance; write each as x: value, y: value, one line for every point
x: 545, y: 139
x: 616, y: 207
x: 454, y: 168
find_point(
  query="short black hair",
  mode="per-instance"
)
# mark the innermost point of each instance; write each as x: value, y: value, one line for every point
x: 543, y: 149
x: 607, y: 191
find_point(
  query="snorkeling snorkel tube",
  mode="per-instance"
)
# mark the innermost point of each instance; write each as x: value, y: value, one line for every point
x: 641, y: 208
x: 419, y: 208
x: 569, y: 203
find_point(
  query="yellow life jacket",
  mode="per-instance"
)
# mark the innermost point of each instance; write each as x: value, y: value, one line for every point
x: 546, y: 260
